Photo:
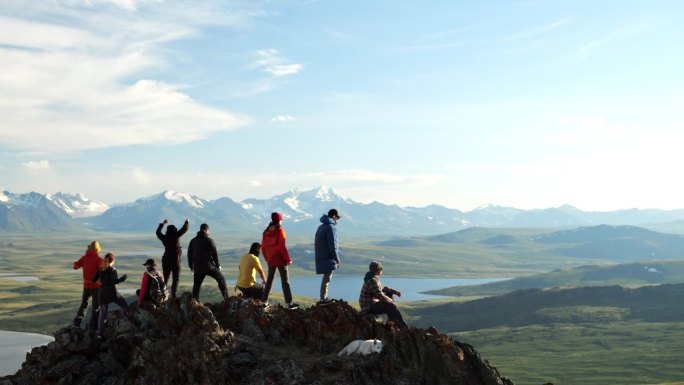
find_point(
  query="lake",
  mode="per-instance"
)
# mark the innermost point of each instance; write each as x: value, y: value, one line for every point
x: 348, y: 287
x: 14, y: 346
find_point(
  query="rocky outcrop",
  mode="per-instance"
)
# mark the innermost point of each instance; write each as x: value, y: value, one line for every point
x: 238, y: 342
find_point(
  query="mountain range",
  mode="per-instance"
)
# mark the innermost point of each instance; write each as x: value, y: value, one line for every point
x: 301, y: 210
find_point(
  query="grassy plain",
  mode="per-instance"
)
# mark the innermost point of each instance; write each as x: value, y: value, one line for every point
x: 584, y: 354
x: 576, y: 345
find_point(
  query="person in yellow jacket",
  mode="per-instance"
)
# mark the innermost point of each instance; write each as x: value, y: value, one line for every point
x: 249, y: 266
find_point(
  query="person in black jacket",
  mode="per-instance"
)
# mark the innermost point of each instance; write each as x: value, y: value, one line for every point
x: 171, y: 260
x: 109, y: 278
x: 203, y: 261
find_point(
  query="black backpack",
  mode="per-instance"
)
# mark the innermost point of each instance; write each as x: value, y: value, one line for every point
x: 156, y: 288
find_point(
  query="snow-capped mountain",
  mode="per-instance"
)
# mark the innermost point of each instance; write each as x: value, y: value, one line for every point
x: 32, y: 211
x: 297, y: 206
x: 77, y: 205
x: 145, y: 213
x: 301, y: 210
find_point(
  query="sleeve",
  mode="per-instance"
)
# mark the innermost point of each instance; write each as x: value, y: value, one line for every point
x: 96, y: 277
x: 143, y: 288
x: 183, y: 229
x: 116, y: 277
x: 332, y: 243
x: 190, y: 251
x: 379, y: 292
x: 389, y: 291
x: 283, y: 248
x: 214, y: 253
x: 374, y: 289
x: 159, y: 233
x: 77, y: 265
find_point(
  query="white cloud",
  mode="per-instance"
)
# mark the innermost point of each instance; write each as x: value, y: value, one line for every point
x: 39, y: 165
x: 282, y: 118
x: 254, y: 183
x: 75, y: 82
x: 270, y: 60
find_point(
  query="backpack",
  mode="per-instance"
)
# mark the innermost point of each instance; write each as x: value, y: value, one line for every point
x: 156, y: 288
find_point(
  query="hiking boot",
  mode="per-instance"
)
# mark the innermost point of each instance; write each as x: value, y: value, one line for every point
x: 325, y: 302
x: 293, y: 306
x: 265, y: 305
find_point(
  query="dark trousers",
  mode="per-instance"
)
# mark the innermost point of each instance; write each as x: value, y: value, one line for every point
x: 284, y: 280
x: 256, y: 291
x: 171, y: 267
x: 391, y: 310
x: 94, y: 314
x: 214, y: 273
x: 121, y: 301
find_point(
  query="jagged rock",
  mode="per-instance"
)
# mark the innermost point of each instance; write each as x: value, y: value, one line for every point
x: 238, y: 342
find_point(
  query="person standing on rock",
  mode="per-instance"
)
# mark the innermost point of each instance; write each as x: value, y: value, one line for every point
x: 327, y: 252
x: 171, y: 260
x: 277, y: 258
x: 376, y: 299
x: 109, y: 278
x: 91, y: 262
x: 203, y: 260
x: 249, y: 266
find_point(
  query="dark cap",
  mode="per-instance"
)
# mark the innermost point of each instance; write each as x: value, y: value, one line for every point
x: 333, y: 213
x: 374, y: 267
x: 204, y: 226
x: 150, y: 262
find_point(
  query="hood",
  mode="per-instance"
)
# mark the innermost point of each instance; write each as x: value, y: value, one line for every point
x: 327, y: 220
x: 91, y: 253
x: 201, y: 234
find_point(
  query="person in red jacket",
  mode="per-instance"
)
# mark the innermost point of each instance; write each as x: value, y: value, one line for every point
x: 151, y: 273
x: 275, y: 253
x: 91, y: 263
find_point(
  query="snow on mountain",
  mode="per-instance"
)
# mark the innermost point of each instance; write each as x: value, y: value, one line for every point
x: 177, y: 197
x: 32, y: 211
x: 77, y: 205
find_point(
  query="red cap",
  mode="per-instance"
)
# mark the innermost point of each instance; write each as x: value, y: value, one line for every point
x: 276, y: 217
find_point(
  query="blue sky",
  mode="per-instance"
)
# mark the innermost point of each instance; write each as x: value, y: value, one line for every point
x: 529, y: 104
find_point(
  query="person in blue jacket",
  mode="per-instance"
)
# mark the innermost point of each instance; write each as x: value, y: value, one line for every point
x: 327, y: 252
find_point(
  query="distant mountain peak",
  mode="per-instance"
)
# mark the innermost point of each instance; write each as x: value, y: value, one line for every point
x: 328, y: 194
x: 77, y: 205
x: 178, y: 197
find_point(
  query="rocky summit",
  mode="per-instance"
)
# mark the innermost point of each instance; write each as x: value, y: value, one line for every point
x: 238, y: 342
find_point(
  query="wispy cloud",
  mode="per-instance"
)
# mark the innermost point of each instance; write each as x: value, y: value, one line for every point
x: 625, y: 32
x: 37, y: 165
x: 282, y: 118
x: 469, y: 37
x: 73, y: 79
x: 271, y: 61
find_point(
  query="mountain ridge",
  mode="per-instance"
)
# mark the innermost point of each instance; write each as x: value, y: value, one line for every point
x: 303, y: 208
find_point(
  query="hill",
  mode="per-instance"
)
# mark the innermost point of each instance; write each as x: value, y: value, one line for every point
x: 659, y: 303
x: 628, y: 274
x: 237, y: 342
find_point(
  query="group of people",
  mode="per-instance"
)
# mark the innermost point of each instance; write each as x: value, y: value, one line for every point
x: 100, y: 277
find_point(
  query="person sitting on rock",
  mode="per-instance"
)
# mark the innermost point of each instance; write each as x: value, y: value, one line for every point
x: 376, y: 299
x: 109, y: 278
x: 152, y: 287
x: 249, y: 266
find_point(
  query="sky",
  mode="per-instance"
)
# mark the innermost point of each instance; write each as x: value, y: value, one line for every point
x: 527, y: 104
